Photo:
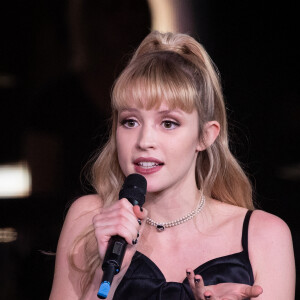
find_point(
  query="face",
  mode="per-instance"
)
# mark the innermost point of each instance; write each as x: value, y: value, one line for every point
x: 160, y: 144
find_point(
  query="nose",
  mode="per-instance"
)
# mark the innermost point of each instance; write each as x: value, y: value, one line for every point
x: 147, y: 137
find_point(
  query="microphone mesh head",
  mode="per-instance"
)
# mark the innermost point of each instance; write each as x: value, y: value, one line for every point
x: 134, y: 189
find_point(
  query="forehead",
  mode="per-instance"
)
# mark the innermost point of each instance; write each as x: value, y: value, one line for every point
x: 163, y: 107
x: 152, y: 96
x: 143, y: 104
x: 162, y: 111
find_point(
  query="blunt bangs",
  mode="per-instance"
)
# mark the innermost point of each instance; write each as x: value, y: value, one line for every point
x: 154, y: 79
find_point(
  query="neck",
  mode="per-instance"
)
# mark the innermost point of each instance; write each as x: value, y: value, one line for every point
x: 172, y: 204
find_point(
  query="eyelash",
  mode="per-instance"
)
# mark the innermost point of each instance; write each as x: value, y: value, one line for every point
x: 126, y: 121
x: 173, y: 124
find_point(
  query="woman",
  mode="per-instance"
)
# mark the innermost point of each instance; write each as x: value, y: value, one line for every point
x: 169, y: 125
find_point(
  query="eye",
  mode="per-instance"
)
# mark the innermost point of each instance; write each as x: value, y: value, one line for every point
x: 129, y: 123
x: 168, y: 124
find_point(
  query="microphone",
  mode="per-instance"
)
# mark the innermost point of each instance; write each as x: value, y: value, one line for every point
x: 134, y: 189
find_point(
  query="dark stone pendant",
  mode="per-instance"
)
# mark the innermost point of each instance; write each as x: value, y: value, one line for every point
x: 160, y: 227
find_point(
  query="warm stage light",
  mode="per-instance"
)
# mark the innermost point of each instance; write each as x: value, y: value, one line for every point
x: 163, y: 15
x: 15, y: 180
x: 8, y: 235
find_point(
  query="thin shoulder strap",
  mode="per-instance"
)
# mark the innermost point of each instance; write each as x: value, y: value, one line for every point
x: 245, y: 230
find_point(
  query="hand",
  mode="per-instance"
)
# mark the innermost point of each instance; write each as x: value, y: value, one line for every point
x: 121, y: 219
x: 221, y: 291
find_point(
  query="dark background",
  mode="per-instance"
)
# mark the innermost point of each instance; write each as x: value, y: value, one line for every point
x: 62, y: 57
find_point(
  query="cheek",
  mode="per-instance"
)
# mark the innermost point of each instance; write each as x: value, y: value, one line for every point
x: 183, y: 145
x: 118, y: 141
x: 122, y: 159
x: 121, y: 151
x: 124, y: 141
x: 124, y: 150
x: 121, y: 138
x: 185, y: 154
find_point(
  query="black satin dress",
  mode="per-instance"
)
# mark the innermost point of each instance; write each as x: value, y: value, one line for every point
x: 144, y: 280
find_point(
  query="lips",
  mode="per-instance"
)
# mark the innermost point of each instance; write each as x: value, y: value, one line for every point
x: 147, y: 161
x: 147, y: 165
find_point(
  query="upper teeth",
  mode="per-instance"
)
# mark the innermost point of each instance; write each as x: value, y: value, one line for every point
x: 147, y: 164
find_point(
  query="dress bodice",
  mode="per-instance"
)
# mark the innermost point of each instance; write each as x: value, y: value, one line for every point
x: 144, y: 280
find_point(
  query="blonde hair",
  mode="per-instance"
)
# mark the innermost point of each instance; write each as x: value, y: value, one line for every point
x: 175, y: 69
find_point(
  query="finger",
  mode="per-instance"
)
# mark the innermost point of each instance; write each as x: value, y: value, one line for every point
x: 190, y: 276
x: 121, y: 215
x: 128, y: 232
x: 208, y: 295
x: 118, y: 204
x: 141, y: 215
x: 253, y: 291
x: 116, y: 223
x: 140, y: 212
x: 196, y: 283
x: 112, y: 213
x: 199, y: 286
x: 120, y: 209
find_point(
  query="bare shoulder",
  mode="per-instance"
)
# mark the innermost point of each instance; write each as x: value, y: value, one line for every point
x: 79, y: 218
x: 271, y: 251
x: 265, y: 228
x: 271, y: 255
x: 66, y: 281
x: 80, y: 215
x: 85, y: 205
x: 227, y: 212
x: 268, y: 234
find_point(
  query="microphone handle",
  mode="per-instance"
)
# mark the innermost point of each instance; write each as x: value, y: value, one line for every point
x: 112, y: 263
x: 115, y: 253
x: 134, y: 189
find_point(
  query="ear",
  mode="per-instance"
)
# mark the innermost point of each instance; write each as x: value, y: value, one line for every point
x: 210, y: 133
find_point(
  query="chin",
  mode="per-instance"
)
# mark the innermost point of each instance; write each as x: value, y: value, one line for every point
x: 154, y: 187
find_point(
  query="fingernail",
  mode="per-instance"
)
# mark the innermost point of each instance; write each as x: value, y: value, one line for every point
x: 141, y: 209
x: 188, y: 273
x: 197, y: 280
x: 134, y: 242
x: 139, y: 221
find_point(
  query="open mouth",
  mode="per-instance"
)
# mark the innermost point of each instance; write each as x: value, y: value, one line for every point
x: 148, y: 164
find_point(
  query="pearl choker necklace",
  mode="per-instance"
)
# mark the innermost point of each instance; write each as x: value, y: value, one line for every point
x: 161, y: 226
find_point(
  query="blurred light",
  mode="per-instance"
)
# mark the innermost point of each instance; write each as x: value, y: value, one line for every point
x: 8, y: 235
x: 15, y: 180
x: 163, y: 15
x: 7, y: 80
x: 289, y: 172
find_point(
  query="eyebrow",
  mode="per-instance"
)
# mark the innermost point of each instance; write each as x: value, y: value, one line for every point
x: 167, y: 111
x: 127, y: 109
x: 162, y: 112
